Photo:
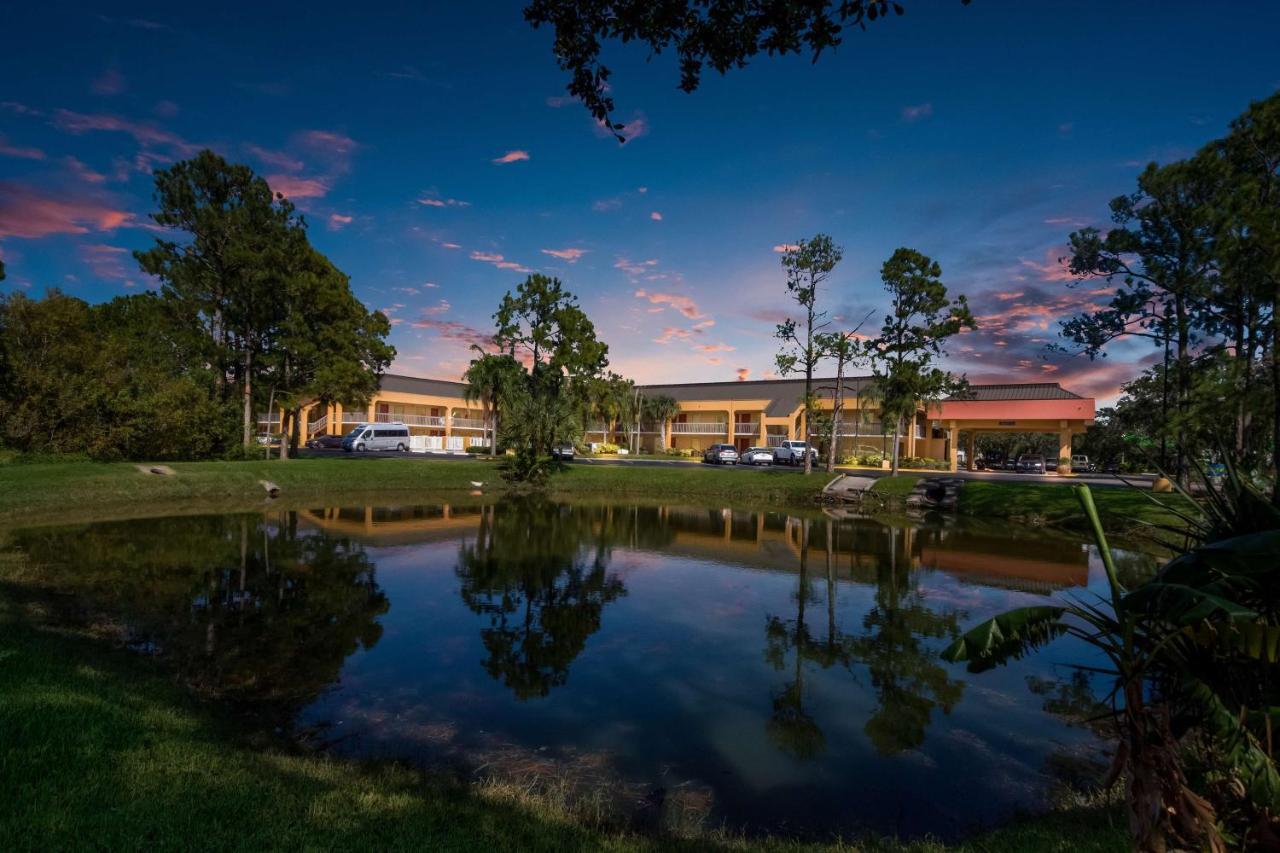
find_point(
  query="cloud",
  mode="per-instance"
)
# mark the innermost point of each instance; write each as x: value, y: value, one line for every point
x: 1052, y: 268
x: 452, y: 330
x: 633, y: 128
x: 785, y: 247
x: 276, y: 159
x: 512, y: 157
x: 337, y: 221
x: 78, y: 168
x: 165, y: 109
x: 19, y: 151
x: 570, y: 255
x: 671, y: 333
x: 328, y: 142
x: 656, y: 216
x: 442, y: 307
x: 498, y: 261
x: 145, y: 134
x: 450, y: 246
x: 29, y: 213
x: 714, y: 348
x: 676, y: 301
x: 110, y: 82
x: 108, y: 262
x: 295, y: 187
x: 1004, y: 297
x: 604, y: 205
x: 432, y: 201
x: 915, y: 112
x: 743, y: 373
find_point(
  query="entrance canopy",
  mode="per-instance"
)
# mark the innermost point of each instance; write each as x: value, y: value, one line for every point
x: 1033, y: 407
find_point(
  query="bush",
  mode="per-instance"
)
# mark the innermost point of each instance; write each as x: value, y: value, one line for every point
x: 871, y: 459
x: 482, y: 449
x: 682, y: 452
x: 604, y: 448
x: 926, y: 462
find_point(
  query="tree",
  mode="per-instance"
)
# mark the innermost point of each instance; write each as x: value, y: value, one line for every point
x: 808, y: 264
x: 661, y: 408
x: 724, y: 34
x: 846, y: 350
x: 329, y: 346
x: 491, y: 379
x: 229, y: 270
x: 542, y: 327
x: 920, y: 321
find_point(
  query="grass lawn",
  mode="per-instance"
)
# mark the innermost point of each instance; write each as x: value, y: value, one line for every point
x: 101, y: 751
x: 1121, y: 509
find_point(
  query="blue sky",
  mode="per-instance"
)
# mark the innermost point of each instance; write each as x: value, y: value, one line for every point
x: 979, y: 135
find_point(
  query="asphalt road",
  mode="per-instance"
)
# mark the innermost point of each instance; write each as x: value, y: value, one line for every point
x: 774, y: 470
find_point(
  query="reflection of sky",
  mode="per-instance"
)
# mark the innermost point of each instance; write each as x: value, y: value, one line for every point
x: 675, y: 686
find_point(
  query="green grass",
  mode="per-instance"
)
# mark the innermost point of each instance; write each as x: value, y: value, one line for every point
x: 30, y: 492
x: 101, y: 751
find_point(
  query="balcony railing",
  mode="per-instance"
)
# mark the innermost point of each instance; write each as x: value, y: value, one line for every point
x: 355, y: 417
x: 700, y: 428
x: 744, y: 427
x: 469, y: 423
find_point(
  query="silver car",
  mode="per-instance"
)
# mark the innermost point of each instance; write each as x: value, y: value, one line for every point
x: 756, y: 456
x: 720, y: 454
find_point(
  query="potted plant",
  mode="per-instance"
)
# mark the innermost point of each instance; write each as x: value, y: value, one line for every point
x: 1064, y: 465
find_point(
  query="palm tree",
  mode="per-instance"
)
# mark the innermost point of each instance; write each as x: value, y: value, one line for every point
x: 487, y: 381
x: 661, y: 408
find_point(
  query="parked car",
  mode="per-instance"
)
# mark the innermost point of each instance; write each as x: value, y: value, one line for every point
x: 792, y: 453
x: 756, y: 456
x: 1051, y: 463
x: 720, y: 454
x: 377, y: 437
x: 326, y: 442
x: 563, y: 451
x: 1080, y: 463
x: 1031, y: 463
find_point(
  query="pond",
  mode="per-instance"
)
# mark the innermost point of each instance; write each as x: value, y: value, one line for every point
x: 682, y: 665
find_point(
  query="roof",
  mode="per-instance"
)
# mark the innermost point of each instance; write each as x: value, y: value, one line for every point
x: 1016, y: 391
x: 417, y: 385
x: 784, y: 395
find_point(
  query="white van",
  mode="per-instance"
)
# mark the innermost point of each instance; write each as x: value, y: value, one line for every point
x: 393, y: 436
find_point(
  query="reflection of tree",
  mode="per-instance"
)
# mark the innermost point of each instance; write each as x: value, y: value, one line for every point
x: 538, y: 571
x: 790, y: 726
x: 245, y: 608
x: 904, y: 670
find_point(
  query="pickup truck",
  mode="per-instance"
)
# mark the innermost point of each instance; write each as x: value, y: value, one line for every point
x: 792, y: 453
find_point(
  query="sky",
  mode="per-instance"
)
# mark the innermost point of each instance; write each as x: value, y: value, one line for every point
x: 437, y: 160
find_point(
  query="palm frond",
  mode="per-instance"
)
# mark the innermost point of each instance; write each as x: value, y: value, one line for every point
x: 1007, y: 637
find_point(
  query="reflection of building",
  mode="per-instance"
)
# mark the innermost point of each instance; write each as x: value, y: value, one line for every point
x: 1040, y: 564
x: 745, y: 414
x: 764, y: 540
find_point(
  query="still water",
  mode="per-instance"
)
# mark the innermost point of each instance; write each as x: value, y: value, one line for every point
x: 755, y: 670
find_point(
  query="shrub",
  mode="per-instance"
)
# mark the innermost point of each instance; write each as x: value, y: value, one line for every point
x: 872, y: 459
x: 479, y: 448
x: 605, y: 448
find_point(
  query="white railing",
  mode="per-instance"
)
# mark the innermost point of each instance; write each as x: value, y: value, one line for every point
x: 774, y: 440
x: 744, y: 427
x: 469, y: 423
x: 355, y: 417
x: 317, y: 425
x: 700, y: 428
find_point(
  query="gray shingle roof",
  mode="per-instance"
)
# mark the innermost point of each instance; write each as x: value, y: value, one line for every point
x: 1017, y: 391
x: 784, y: 395
x: 417, y: 385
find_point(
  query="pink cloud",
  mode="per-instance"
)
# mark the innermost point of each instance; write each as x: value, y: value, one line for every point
x: 294, y: 187
x: 442, y: 307
x: 21, y: 152
x: 714, y: 360
x: 108, y: 262
x: 25, y: 212
x: 430, y: 201
x: 450, y: 246
x: 676, y: 301
x: 570, y: 255
x: 327, y: 141
x: 144, y: 134
x: 714, y: 348
x: 498, y: 261
x: 452, y: 330
x: 78, y: 168
x: 110, y: 82
x: 915, y: 112
x: 337, y: 221
x: 512, y: 157
x: 656, y: 216
x: 671, y: 333
x: 1051, y: 268
x: 276, y: 159
x: 1004, y: 297
x: 743, y: 373
x: 785, y: 247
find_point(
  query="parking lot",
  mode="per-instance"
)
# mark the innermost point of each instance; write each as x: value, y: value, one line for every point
x: 761, y: 470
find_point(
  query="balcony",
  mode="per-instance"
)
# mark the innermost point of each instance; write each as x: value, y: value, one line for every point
x: 469, y: 423
x: 700, y: 428
x: 745, y: 427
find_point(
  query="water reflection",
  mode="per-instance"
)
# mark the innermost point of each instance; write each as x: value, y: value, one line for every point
x: 785, y: 664
x: 246, y: 608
